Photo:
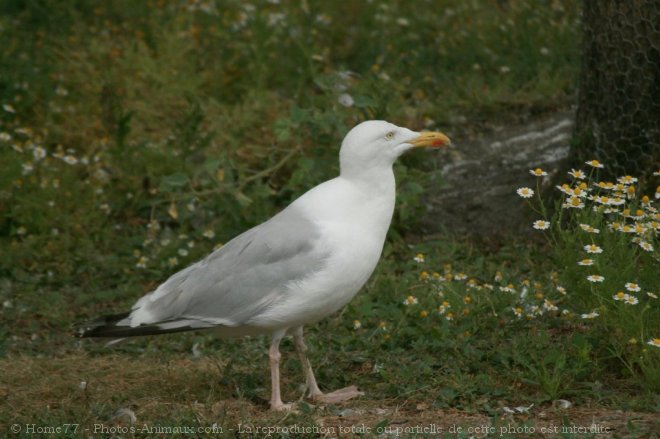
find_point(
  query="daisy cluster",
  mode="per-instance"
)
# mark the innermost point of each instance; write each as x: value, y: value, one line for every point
x: 600, y: 210
x: 455, y: 295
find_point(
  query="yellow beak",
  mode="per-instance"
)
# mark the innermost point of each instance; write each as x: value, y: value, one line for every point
x: 431, y: 138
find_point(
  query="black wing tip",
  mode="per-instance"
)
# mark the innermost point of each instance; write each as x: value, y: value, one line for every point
x: 106, y: 326
x: 103, y: 326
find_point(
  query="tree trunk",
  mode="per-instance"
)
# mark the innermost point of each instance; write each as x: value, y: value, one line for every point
x: 618, y: 116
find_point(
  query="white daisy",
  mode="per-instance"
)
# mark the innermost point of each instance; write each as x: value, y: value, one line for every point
x: 631, y: 286
x: 631, y: 300
x: 591, y: 315
x: 541, y: 225
x: 410, y: 300
x: 593, y: 248
x: 525, y: 192
x: 538, y: 172
x: 577, y: 173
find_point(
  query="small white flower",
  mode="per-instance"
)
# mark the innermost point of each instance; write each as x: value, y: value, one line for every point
x: 595, y: 164
x: 61, y: 91
x: 538, y: 172
x: 631, y: 286
x: 173, y: 261
x: 591, y: 315
x: 27, y: 168
x: 631, y: 300
x: 69, y: 159
x: 627, y: 179
x: 208, y: 233
x: 508, y: 289
x: 593, y: 248
x: 549, y: 306
x: 8, y: 108
x: 525, y: 192
x: 419, y: 258
x: 403, y: 22
x: 654, y: 342
x: 646, y: 246
x: 346, y: 100
x: 620, y: 295
x: 588, y: 228
x: 410, y: 300
x: 573, y: 203
x: 357, y: 324
x: 651, y: 295
x: 142, y: 262
x: 39, y: 153
x: 596, y: 278
x: 577, y: 173
x: 183, y: 252
x: 541, y: 225
x: 586, y: 262
x: 5, y: 137
x: 505, y: 69
x: 460, y: 276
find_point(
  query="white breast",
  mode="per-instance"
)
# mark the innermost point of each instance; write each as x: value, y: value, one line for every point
x: 353, y: 223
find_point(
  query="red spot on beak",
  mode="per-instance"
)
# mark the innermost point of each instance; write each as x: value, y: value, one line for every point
x: 438, y: 142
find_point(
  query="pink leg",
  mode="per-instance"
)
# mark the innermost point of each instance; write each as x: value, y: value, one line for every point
x: 274, y: 357
x: 312, y: 387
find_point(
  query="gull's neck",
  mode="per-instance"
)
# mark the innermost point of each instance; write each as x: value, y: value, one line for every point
x: 375, y: 180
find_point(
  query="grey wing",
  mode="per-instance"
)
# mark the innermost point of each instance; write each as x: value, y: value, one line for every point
x: 241, y: 279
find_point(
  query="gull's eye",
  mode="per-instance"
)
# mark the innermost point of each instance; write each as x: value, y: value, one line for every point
x: 390, y: 135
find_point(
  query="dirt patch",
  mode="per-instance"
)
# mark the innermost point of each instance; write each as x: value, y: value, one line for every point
x: 120, y: 391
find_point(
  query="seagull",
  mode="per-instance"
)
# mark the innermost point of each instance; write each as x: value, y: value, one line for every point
x: 302, y: 265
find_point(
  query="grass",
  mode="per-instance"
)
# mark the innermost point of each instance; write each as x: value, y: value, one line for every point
x: 137, y: 136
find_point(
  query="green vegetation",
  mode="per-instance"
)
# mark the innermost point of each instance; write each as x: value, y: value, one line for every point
x: 137, y: 136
